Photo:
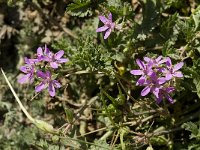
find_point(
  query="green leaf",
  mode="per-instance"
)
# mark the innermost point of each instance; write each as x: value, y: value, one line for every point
x: 150, y: 14
x: 80, y: 8
x: 119, y: 57
x: 193, y: 128
x: 103, y: 145
x: 168, y: 26
x: 197, y: 84
x: 69, y: 115
x: 194, y: 147
x: 158, y: 140
x: 196, y: 17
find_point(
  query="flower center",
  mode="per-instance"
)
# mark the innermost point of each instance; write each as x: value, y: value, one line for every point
x: 39, y: 55
x: 108, y: 24
x: 28, y: 68
x: 48, y: 79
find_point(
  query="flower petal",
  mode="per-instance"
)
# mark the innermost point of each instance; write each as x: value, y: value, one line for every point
x: 159, y: 99
x: 46, y: 50
x: 56, y: 84
x: 59, y: 54
x: 161, y: 80
x: 169, y: 89
x: 140, y: 64
x: 24, y: 79
x: 156, y: 91
x: 63, y: 60
x: 178, y: 66
x: 147, y: 59
x: 108, y: 32
x: 169, y: 98
x: 33, y: 61
x: 149, y: 72
x: 50, y: 55
x: 141, y: 80
x: 110, y: 17
x: 51, y: 89
x: 154, y: 77
x: 168, y: 76
x: 40, y: 87
x: 101, y: 29
x: 26, y: 60
x: 39, y: 52
x: 31, y: 78
x: 25, y: 69
x: 178, y: 74
x: 162, y: 70
x: 158, y: 59
x: 150, y: 64
x: 103, y: 19
x: 54, y: 65
x: 46, y: 58
x: 145, y: 91
x: 41, y: 74
x: 162, y: 61
x: 168, y: 62
x: 137, y: 72
x: 30, y: 61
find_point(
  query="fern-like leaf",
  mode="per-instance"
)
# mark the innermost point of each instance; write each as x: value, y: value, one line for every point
x: 80, y: 8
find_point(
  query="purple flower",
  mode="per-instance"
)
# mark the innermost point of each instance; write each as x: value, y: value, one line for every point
x: 55, y: 59
x: 28, y: 69
x: 108, y: 25
x: 41, y: 55
x: 172, y: 71
x: 155, y: 63
x: 47, y: 82
x: 153, y: 85
x: 30, y: 61
x: 164, y: 92
x: 145, y: 70
x: 155, y: 77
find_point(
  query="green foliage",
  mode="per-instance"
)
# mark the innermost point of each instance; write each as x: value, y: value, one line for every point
x: 99, y: 105
x: 80, y: 8
x: 194, y: 128
x: 196, y: 17
x: 196, y: 75
x: 120, y: 8
x: 103, y: 143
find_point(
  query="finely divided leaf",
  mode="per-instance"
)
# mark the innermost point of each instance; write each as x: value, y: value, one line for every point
x: 80, y: 8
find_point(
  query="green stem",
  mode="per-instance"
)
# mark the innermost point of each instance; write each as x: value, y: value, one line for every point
x: 39, y: 123
x: 125, y: 89
x: 17, y: 98
x: 81, y: 141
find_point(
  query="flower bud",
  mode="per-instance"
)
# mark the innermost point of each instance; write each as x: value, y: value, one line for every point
x: 45, y: 126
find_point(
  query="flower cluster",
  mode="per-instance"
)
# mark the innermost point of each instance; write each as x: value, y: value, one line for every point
x: 156, y: 76
x: 32, y: 67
